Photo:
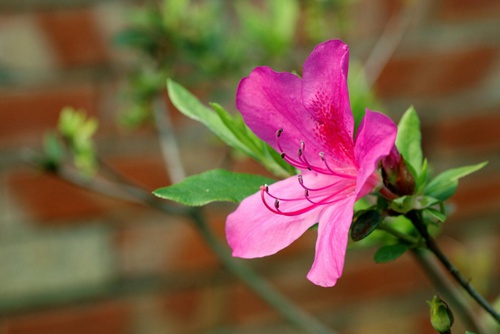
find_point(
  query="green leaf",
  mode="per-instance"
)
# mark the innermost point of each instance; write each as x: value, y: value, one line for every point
x: 409, y: 141
x: 422, y: 178
x: 53, y: 151
x: 445, y: 184
x: 390, y: 253
x: 191, y: 107
x: 252, y: 145
x: 436, y: 214
x: 405, y: 204
x: 216, y: 185
x: 230, y: 129
x: 249, y: 141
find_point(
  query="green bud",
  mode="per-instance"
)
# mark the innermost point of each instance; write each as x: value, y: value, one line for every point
x: 365, y: 224
x: 441, y: 315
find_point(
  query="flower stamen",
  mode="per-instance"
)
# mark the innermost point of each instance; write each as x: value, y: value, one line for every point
x: 303, y: 162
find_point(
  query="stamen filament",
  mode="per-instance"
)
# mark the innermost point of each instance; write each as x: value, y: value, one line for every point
x: 301, y: 182
x: 276, y: 210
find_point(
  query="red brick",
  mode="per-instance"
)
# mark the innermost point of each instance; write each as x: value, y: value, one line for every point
x: 477, y: 195
x: 476, y: 131
x: 246, y: 307
x: 177, y: 246
x: 192, y: 254
x: 26, y: 114
x: 183, y: 305
x: 50, y: 200
x: 468, y: 9
x: 75, y: 36
x: 371, y: 15
x: 105, y: 318
x: 147, y: 170
x: 435, y: 74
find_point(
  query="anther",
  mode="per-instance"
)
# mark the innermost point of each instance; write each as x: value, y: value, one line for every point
x: 277, y: 203
x: 278, y: 133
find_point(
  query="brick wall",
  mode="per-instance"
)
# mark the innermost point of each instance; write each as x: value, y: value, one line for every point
x: 75, y: 262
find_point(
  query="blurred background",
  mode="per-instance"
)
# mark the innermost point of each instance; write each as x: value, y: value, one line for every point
x: 75, y: 262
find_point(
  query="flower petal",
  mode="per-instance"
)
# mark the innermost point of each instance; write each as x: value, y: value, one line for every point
x: 375, y: 139
x: 333, y: 235
x: 269, y: 101
x: 325, y: 95
x: 255, y: 231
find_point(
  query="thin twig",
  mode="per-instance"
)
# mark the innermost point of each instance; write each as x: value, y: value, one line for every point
x: 282, y: 305
x: 388, y: 41
x: 448, y: 290
x: 437, y: 276
x: 168, y: 140
x: 416, y: 219
x: 402, y: 236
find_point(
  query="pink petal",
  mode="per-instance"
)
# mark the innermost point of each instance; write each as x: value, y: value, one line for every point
x: 375, y: 139
x: 325, y: 95
x: 269, y: 101
x: 255, y: 231
x: 333, y: 235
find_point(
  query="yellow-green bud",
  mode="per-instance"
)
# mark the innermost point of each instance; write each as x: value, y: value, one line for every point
x: 441, y: 316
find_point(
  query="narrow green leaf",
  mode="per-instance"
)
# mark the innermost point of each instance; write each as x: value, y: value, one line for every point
x: 422, y: 178
x: 407, y: 203
x: 53, y: 152
x: 436, y: 214
x: 402, y: 204
x: 252, y: 145
x: 248, y: 141
x: 445, y: 184
x: 409, y: 140
x: 231, y: 130
x: 216, y: 185
x: 390, y: 253
x: 191, y: 107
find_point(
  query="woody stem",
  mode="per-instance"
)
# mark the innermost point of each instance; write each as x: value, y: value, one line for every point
x: 416, y: 218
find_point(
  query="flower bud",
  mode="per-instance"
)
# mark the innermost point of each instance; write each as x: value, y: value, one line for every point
x: 441, y: 315
x: 396, y: 175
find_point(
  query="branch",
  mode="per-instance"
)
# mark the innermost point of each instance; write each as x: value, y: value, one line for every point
x: 448, y: 290
x: 290, y: 312
x: 168, y: 141
x: 388, y: 41
x: 416, y: 219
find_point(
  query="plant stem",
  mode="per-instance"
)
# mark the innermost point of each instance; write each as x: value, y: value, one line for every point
x: 403, y: 237
x: 416, y: 219
x: 448, y: 290
x: 389, y: 40
x: 168, y: 141
x: 281, y: 304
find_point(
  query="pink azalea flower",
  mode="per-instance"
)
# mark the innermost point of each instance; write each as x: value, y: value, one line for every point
x: 309, y: 121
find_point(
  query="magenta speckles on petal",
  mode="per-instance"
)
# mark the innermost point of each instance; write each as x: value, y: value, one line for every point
x: 309, y: 122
